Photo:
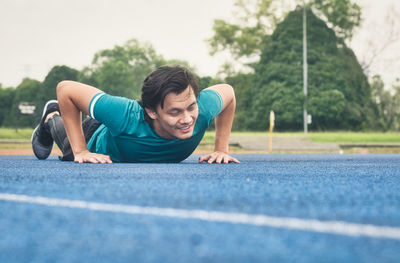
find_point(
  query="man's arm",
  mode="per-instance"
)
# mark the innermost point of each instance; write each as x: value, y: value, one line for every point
x: 223, y: 126
x: 74, y: 98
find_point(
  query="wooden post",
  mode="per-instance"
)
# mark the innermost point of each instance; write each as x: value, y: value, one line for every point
x: 271, y: 128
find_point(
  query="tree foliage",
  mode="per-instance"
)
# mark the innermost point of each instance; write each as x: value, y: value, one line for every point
x: 344, y: 16
x: 256, y: 20
x: 244, y: 100
x: 31, y: 91
x: 244, y: 38
x: 27, y: 91
x: 121, y: 70
x: 338, y: 91
x: 56, y: 75
x: 388, y: 104
x: 6, y: 102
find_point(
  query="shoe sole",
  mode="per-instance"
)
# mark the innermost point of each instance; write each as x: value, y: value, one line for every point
x: 44, y: 111
x: 47, y: 104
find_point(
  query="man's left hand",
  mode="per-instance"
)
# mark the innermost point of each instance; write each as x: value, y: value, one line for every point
x: 218, y: 157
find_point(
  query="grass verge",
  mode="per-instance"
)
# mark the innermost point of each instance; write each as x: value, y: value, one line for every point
x: 327, y: 137
x: 208, y: 140
x: 15, y: 134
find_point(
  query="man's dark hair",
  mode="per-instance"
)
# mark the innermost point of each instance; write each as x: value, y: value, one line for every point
x: 164, y: 80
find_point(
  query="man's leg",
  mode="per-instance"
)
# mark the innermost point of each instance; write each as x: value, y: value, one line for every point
x: 56, y: 128
x: 51, y: 129
x: 42, y: 141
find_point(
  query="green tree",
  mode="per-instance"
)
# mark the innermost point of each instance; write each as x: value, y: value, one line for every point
x: 6, y: 100
x: 396, y: 103
x: 121, y: 71
x: 244, y: 100
x: 25, y: 92
x: 244, y: 38
x: 207, y: 81
x: 328, y: 109
x: 388, y: 104
x: 338, y: 91
x: 48, y: 89
x: 256, y: 19
x: 344, y: 16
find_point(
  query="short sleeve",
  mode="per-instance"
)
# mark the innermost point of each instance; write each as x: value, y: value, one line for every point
x: 116, y: 113
x: 210, y: 104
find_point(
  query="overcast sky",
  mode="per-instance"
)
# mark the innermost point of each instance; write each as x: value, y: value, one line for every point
x: 39, y: 34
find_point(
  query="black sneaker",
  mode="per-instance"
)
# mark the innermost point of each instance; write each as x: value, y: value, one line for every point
x: 42, y: 141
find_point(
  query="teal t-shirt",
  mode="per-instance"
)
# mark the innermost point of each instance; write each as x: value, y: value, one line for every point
x: 126, y: 137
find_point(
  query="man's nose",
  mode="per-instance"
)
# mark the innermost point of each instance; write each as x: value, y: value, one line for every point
x: 186, y: 118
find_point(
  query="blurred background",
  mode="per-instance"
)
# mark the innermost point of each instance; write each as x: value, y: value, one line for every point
x: 352, y: 56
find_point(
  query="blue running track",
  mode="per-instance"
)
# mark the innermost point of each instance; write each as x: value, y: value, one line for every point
x: 269, y: 208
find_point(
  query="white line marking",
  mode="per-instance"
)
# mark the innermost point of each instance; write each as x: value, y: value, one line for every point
x: 330, y: 227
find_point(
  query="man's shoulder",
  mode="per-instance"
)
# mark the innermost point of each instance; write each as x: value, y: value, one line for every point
x: 209, y: 100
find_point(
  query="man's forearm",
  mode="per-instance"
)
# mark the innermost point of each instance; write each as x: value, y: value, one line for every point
x: 71, y: 117
x: 223, y: 126
x: 73, y: 126
x: 74, y: 98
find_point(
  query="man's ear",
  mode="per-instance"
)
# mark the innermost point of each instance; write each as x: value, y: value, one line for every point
x: 151, y: 113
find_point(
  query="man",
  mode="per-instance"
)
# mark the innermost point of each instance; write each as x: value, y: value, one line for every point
x: 165, y: 126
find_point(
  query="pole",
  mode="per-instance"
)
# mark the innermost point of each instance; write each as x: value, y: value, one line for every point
x: 305, y: 73
x: 271, y: 128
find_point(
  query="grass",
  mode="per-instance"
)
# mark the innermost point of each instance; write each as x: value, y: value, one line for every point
x: 327, y: 137
x: 15, y: 146
x: 321, y: 137
x: 15, y: 134
x: 336, y: 137
x: 356, y: 137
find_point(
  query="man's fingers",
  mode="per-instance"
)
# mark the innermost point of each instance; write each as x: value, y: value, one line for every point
x: 93, y: 158
x: 102, y: 159
x: 217, y: 157
x: 234, y: 160
x: 105, y: 159
x: 212, y: 158
x: 204, y: 158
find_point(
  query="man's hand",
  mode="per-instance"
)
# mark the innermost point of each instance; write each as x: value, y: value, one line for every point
x: 223, y: 126
x: 218, y: 157
x: 88, y: 157
x: 74, y: 98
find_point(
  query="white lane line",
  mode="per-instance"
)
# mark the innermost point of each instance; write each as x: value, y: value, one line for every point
x: 330, y: 227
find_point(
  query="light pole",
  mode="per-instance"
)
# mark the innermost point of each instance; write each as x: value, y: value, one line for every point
x: 305, y: 68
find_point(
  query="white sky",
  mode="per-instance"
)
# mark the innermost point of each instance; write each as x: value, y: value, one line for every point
x: 39, y: 34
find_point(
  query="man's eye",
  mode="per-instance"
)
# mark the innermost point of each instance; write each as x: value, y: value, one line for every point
x: 174, y: 113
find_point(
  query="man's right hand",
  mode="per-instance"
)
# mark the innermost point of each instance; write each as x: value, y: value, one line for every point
x: 89, y: 157
x: 74, y: 98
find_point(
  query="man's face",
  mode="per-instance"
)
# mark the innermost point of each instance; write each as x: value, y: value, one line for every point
x: 178, y: 116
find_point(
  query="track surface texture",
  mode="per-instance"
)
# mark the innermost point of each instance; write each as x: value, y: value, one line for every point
x: 268, y: 208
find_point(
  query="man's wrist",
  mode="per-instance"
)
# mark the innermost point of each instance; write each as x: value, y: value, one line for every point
x: 80, y: 151
x: 224, y: 149
x: 221, y: 145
